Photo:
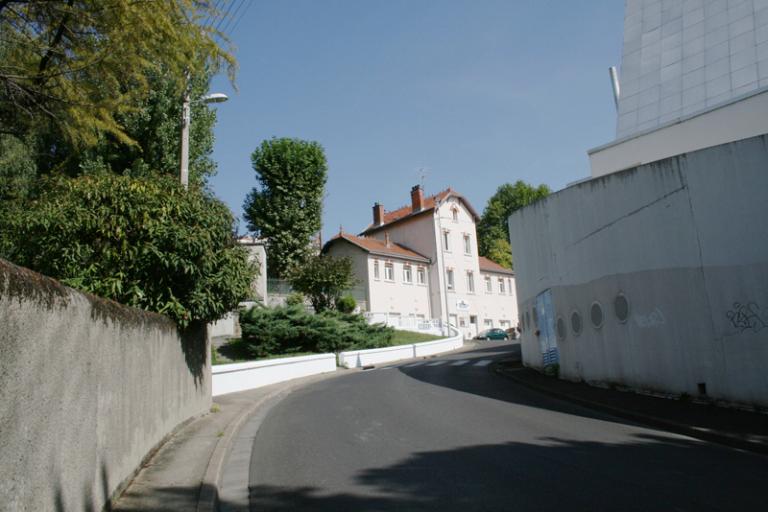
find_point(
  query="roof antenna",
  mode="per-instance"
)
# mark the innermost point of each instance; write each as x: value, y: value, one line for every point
x: 423, y: 171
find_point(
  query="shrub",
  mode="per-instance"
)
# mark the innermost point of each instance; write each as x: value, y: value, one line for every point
x: 291, y: 329
x: 295, y: 299
x: 323, y: 279
x: 346, y: 304
x: 144, y: 242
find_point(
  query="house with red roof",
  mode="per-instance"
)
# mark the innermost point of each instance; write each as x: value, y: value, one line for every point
x: 420, y: 262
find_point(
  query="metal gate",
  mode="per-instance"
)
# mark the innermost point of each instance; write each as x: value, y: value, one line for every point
x: 546, y: 325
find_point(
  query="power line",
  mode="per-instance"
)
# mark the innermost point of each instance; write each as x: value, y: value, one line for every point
x: 234, y: 15
x: 224, y: 15
x: 241, y: 17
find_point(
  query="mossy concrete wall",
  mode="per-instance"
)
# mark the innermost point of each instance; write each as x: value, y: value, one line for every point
x: 685, y: 241
x: 88, y: 388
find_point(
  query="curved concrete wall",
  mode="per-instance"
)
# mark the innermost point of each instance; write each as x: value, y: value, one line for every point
x: 685, y: 240
x: 87, y: 389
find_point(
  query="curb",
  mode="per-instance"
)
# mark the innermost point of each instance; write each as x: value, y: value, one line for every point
x: 208, y: 498
x: 712, y: 436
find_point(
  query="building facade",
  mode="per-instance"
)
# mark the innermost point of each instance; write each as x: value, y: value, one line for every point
x: 421, y: 262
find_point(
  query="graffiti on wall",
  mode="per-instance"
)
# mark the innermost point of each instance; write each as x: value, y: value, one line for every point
x: 655, y: 318
x: 746, y: 316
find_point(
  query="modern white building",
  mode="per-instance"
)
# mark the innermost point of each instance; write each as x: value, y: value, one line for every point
x: 421, y: 262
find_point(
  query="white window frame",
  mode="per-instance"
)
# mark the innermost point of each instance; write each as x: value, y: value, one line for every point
x: 389, y: 271
x: 488, y: 284
x: 488, y: 323
x: 407, y: 274
x: 421, y: 276
x: 449, y: 281
x: 470, y: 281
x: 502, y: 286
x: 376, y: 270
x: 467, y: 244
x: 455, y: 214
x: 447, y: 240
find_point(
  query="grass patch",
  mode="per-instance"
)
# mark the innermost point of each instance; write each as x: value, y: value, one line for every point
x: 408, y: 337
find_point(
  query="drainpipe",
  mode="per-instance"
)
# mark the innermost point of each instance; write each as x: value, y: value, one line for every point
x: 441, y: 261
x: 615, y: 84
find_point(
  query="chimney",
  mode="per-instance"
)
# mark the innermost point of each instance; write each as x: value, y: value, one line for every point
x: 417, y: 198
x: 378, y: 214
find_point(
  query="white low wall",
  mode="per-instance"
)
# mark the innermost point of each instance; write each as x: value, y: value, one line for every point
x: 360, y: 358
x: 229, y: 378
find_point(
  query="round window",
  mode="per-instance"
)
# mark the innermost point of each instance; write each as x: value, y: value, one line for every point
x: 596, y: 315
x: 621, y: 307
x: 576, y: 323
x: 561, y: 328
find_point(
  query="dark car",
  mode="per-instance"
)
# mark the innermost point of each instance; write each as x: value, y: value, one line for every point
x: 492, y: 334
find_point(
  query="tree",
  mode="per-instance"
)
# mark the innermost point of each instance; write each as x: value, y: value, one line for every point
x: 286, y: 208
x: 323, y: 279
x: 144, y: 242
x: 492, y: 231
x: 76, y: 66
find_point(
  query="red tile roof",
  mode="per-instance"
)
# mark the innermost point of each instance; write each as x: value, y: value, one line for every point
x: 428, y: 204
x: 375, y: 246
x: 491, y: 266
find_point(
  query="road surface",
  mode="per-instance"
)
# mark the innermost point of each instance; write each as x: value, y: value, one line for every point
x: 448, y: 434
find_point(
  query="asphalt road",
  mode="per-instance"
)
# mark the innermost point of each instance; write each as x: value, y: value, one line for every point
x: 449, y: 434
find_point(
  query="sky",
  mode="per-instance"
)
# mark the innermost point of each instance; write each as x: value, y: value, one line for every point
x: 463, y: 94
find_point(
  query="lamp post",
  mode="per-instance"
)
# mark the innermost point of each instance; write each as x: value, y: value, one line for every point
x: 216, y: 97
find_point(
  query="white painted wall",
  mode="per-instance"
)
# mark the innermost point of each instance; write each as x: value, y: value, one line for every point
x: 685, y: 240
x: 360, y: 358
x: 230, y: 378
x: 397, y: 296
x: 745, y: 118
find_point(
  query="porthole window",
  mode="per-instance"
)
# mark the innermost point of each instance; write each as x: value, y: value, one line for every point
x: 561, y: 328
x: 576, y: 323
x: 596, y: 315
x: 621, y: 307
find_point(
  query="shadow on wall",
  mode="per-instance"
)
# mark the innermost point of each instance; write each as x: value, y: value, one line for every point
x: 194, y: 344
x: 553, y: 474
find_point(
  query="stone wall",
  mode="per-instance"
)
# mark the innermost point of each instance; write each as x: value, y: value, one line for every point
x: 88, y: 388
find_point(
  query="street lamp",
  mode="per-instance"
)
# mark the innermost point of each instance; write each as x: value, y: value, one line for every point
x: 216, y: 97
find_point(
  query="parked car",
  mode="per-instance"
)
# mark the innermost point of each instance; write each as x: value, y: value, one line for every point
x: 492, y: 334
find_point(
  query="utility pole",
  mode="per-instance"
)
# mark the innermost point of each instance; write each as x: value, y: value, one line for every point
x: 185, y: 119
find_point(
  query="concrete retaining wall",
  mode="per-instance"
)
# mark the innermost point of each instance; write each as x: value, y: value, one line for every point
x: 685, y: 241
x: 230, y: 378
x: 87, y: 389
x: 360, y: 358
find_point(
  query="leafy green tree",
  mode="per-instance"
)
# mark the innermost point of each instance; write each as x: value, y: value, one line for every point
x: 286, y: 207
x: 323, y: 279
x: 18, y: 170
x: 76, y: 66
x: 492, y: 230
x: 144, y: 242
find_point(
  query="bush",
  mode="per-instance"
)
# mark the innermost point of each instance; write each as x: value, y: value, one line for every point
x: 291, y: 329
x: 346, y: 304
x: 323, y: 279
x: 295, y: 299
x: 145, y: 242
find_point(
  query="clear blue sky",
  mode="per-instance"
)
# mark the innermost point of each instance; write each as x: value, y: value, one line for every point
x: 478, y: 92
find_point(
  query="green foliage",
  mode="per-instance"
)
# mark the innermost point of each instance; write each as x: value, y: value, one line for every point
x: 285, y: 209
x: 154, y: 123
x: 323, y: 279
x: 295, y: 299
x: 17, y: 169
x: 346, y: 304
x: 291, y: 329
x: 142, y: 242
x: 77, y: 66
x: 492, y: 230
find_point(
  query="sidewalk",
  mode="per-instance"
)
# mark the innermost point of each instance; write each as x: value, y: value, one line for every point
x: 185, y: 473
x: 735, y: 428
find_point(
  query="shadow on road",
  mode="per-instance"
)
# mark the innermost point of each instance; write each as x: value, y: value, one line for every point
x: 649, y: 473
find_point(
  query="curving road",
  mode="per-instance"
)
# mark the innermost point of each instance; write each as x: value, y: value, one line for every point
x: 449, y: 434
